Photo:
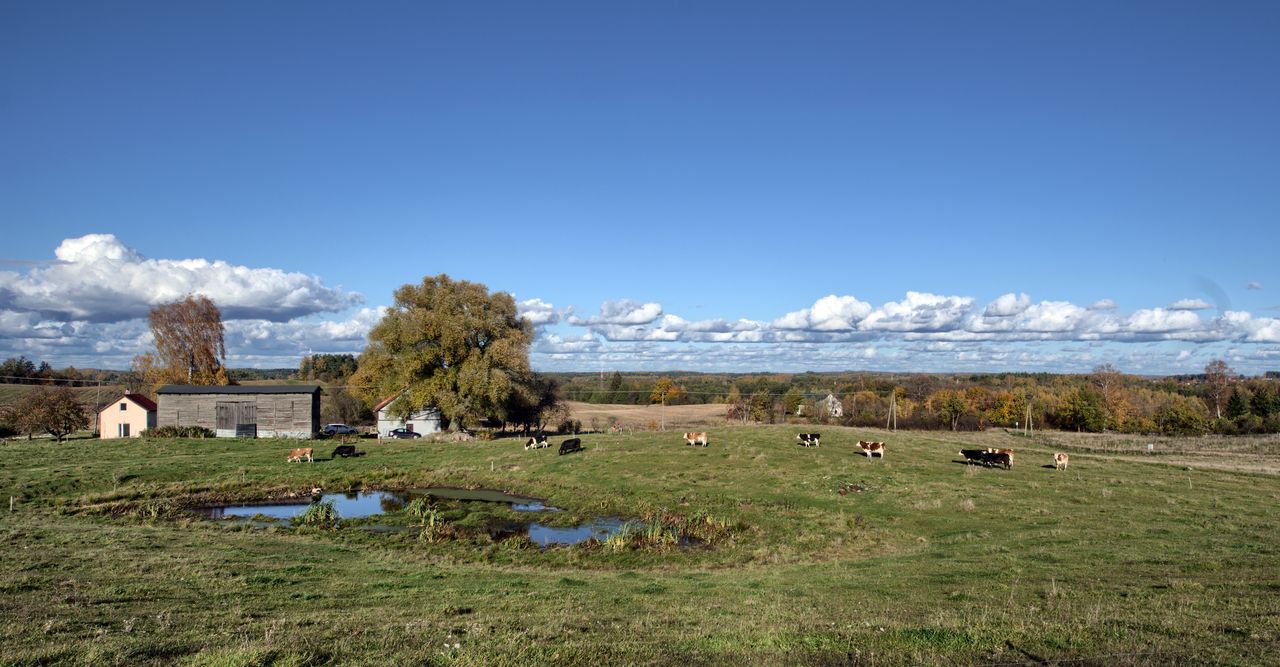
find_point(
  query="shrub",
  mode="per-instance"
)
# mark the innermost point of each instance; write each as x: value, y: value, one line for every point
x: 178, y: 432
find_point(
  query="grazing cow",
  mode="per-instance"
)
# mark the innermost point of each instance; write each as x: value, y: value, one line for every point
x: 345, y: 451
x: 571, y: 445
x: 987, y: 457
x: 810, y: 439
x: 993, y: 450
x: 537, y: 442
x: 696, y: 439
x: 299, y: 454
x: 870, y: 448
x: 1060, y: 460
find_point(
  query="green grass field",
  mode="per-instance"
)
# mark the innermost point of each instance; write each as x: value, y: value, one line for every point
x: 1121, y: 560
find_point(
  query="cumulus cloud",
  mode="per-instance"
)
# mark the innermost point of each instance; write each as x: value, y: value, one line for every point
x: 622, y: 313
x: 1103, y: 304
x: 830, y: 313
x: 538, y: 312
x: 1007, y: 305
x: 920, y: 312
x: 97, y: 278
x: 1190, y: 304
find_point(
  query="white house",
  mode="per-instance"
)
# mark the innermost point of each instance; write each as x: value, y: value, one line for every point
x: 423, y: 420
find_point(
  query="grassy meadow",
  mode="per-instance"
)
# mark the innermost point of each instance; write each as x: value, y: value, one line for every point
x: 1126, y: 558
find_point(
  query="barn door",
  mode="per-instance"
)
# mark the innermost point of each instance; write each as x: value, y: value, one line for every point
x: 238, y: 416
x: 247, y: 420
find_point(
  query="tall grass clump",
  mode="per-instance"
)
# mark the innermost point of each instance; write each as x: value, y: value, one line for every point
x: 430, y: 519
x: 320, y: 515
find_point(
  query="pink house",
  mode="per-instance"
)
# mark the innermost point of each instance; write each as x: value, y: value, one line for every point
x: 127, y: 417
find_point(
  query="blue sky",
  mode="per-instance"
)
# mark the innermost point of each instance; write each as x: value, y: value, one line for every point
x: 707, y: 186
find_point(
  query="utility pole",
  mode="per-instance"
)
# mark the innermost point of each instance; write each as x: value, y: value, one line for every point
x: 893, y: 410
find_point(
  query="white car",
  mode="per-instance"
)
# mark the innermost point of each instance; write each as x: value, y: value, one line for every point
x: 339, y: 429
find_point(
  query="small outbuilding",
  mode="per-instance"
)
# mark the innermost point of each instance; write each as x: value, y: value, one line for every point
x: 126, y: 417
x: 244, y: 411
x: 421, y: 420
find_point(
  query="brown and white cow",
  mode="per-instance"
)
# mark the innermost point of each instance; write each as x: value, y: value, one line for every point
x: 699, y: 438
x: 870, y: 448
x: 1060, y: 460
x: 300, y: 453
x: 537, y: 442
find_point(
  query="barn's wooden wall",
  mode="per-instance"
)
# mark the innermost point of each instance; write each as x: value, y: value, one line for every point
x: 295, y: 415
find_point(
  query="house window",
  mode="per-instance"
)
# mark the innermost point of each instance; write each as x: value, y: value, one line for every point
x: 123, y: 407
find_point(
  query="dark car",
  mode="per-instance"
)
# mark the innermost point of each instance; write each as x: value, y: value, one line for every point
x: 402, y: 433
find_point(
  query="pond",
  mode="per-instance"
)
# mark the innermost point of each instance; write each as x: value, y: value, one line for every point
x: 368, y: 504
x: 365, y: 504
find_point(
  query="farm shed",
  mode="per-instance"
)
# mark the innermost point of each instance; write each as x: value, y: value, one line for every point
x: 248, y: 411
x: 422, y: 420
x: 126, y: 417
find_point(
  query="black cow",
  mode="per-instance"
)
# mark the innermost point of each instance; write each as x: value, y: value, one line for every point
x: 987, y: 458
x: 810, y: 439
x: 345, y: 451
x: 571, y: 445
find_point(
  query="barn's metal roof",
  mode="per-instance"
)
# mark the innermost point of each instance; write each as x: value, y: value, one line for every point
x: 239, y: 389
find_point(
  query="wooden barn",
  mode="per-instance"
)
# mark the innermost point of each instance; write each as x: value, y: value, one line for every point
x: 249, y: 411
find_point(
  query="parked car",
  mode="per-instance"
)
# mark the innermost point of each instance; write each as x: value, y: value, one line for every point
x: 402, y: 433
x: 339, y: 429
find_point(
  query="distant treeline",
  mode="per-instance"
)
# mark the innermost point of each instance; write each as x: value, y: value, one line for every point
x: 20, y: 370
x: 1215, y: 401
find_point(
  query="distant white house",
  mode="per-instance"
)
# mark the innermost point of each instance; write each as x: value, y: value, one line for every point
x: 424, y: 420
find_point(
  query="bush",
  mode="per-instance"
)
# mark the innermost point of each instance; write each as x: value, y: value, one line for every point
x: 178, y: 432
x: 569, y: 426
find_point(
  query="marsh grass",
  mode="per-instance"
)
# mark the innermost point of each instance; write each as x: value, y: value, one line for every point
x: 1175, y: 566
x: 323, y: 516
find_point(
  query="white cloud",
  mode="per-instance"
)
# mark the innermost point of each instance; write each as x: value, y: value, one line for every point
x: 919, y: 312
x: 830, y: 313
x: 538, y: 312
x: 1007, y: 305
x: 99, y: 279
x: 1103, y: 304
x: 1255, y: 285
x: 625, y: 312
x: 1190, y: 304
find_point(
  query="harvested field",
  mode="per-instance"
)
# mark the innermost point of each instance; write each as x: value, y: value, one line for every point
x: 596, y: 417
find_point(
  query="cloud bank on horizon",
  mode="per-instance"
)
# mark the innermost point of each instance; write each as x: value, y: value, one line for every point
x: 89, y: 307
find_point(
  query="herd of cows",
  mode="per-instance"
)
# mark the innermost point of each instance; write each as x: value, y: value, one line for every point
x: 991, y: 457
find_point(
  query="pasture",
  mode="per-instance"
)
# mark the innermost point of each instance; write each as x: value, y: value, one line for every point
x: 826, y: 557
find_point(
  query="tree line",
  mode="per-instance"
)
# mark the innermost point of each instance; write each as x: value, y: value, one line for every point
x: 1216, y: 401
